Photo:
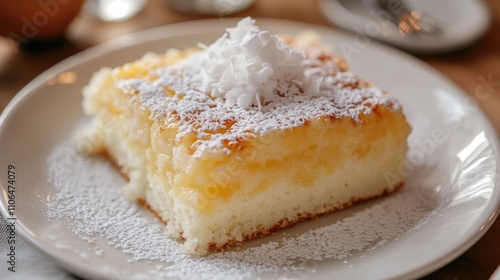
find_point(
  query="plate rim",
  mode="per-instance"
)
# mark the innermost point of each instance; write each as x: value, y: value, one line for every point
x: 176, y: 29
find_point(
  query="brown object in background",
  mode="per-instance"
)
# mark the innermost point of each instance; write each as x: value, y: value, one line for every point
x: 27, y: 20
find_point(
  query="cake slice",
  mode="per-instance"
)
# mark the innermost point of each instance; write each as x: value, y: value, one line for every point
x: 249, y: 135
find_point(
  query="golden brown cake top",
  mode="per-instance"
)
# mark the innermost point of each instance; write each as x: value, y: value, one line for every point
x: 250, y: 82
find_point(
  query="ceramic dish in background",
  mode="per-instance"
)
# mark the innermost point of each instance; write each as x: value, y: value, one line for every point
x: 460, y: 22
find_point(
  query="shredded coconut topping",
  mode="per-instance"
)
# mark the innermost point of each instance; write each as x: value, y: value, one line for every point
x: 250, y: 82
x: 246, y: 65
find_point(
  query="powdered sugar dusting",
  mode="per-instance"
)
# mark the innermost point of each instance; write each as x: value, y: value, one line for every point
x: 282, y: 88
x: 89, y: 198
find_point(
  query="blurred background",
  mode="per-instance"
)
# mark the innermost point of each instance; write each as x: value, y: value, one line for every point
x: 36, y: 34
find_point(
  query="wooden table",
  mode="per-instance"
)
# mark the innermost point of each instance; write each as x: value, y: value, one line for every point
x: 464, y: 67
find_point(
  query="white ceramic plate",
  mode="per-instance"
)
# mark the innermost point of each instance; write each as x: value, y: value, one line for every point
x: 461, y: 22
x: 453, y: 156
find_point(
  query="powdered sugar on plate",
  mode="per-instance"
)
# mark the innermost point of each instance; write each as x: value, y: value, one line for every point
x: 89, y: 198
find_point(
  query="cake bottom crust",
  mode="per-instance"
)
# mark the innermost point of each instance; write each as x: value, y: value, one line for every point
x: 282, y: 224
x: 287, y: 223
